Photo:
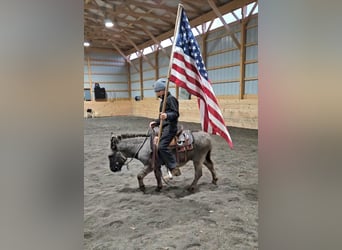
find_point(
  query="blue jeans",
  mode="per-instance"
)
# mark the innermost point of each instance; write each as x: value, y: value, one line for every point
x: 165, y: 155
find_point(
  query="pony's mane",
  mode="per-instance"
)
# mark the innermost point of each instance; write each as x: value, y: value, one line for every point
x: 131, y: 139
x: 126, y: 136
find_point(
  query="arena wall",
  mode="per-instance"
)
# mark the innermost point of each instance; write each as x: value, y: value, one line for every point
x: 240, y: 113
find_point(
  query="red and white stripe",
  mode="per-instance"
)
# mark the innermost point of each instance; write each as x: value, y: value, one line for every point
x: 185, y: 74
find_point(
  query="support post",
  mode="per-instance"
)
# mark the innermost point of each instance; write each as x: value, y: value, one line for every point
x: 141, y: 78
x: 129, y: 80
x: 242, y: 57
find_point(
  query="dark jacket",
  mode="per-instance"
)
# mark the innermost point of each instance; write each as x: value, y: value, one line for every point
x: 171, y: 109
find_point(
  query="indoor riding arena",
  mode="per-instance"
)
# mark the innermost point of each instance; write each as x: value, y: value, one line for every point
x: 122, y: 61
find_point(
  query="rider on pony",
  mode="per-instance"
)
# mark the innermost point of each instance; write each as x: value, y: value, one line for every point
x: 169, y: 128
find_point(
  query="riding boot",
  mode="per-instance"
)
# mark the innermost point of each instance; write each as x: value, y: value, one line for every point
x: 175, y: 171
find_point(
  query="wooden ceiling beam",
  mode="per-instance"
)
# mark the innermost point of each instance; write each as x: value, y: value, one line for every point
x: 206, y: 28
x: 191, y: 4
x: 139, y: 18
x: 157, y: 6
x: 148, y: 13
x: 119, y: 30
x: 99, y: 49
x: 137, y: 49
x: 219, y: 15
x: 128, y: 15
x: 224, y: 9
x: 124, y: 56
x: 155, y: 40
x: 251, y: 13
x: 156, y: 26
x: 236, y: 17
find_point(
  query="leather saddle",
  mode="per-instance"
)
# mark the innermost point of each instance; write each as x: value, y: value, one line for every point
x: 181, y: 144
x: 183, y: 141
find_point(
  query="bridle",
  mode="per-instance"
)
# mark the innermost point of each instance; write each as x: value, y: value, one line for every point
x: 136, y: 153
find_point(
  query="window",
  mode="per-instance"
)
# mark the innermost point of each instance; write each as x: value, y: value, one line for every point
x: 87, y: 95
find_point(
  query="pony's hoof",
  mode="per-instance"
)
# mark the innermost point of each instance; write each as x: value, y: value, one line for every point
x: 214, y: 181
x: 142, y: 188
x: 158, y: 189
x: 191, y: 189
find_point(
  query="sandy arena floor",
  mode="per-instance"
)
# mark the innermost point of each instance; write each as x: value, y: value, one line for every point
x: 119, y: 216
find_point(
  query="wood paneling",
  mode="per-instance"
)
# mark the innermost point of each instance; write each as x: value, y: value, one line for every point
x: 237, y: 113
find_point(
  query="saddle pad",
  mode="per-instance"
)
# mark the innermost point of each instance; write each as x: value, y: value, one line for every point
x: 184, y: 142
x: 184, y: 139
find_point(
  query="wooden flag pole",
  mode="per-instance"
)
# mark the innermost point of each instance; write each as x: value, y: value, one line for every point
x: 180, y: 7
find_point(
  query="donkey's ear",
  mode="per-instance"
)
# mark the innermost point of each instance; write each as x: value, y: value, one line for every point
x: 113, y: 142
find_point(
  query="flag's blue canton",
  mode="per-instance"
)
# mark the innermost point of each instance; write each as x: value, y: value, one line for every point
x: 189, y: 45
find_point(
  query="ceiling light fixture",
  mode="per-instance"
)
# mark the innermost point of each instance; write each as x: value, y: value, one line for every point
x: 109, y: 23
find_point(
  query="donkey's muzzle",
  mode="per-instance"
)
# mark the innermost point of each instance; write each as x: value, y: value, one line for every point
x: 114, y: 165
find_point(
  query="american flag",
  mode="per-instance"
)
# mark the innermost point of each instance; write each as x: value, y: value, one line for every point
x: 188, y: 71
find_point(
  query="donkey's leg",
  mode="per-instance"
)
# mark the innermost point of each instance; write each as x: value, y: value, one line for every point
x: 146, y: 170
x: 210, y: 165
x: 198, y: 174
x: 158, y: 175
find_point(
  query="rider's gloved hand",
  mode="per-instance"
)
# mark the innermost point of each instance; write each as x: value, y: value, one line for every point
x: 152, y: 124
